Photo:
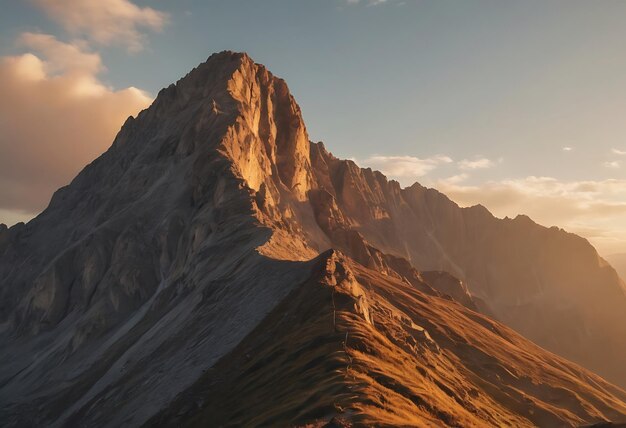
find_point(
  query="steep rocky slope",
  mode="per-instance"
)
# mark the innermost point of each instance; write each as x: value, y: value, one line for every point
x: 353, y: 346
x: 166, y: 255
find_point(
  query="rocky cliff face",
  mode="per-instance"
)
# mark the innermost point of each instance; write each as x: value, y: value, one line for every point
x: 188, y: 238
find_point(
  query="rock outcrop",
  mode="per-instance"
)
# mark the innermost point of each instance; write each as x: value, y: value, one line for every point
x: 200, y: 231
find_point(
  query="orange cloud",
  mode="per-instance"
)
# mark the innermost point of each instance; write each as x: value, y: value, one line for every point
x: 105, y: 21
x: 55, y: 117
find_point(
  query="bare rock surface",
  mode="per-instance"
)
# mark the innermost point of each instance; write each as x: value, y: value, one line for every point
x: 189, y: 238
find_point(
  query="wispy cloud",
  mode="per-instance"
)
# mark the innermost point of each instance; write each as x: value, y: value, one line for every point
x: 105, y: 22
x: 618, y: 152
x: 612, y: 164
x: 478, y: 163
x: 405, y: 167
x: 567, y: 149
x: 455, y: 179
x: 57, y: 116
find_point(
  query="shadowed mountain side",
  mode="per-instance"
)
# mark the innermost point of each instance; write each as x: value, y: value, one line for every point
x: 353, y: 346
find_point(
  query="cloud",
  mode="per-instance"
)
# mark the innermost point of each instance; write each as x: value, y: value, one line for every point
x: 567, y: 149
x: 55, y: 117
x: 105, y: 22
x: 455, y: 179
x: 62, y: 57
x: 480, y: 163
x: 612, y: 164
x: 618, y: 152
x: 405, y: 167
x: 578, y: 206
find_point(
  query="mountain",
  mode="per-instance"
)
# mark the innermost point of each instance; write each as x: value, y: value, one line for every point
x: 619, y: 262
x: 214, y: 267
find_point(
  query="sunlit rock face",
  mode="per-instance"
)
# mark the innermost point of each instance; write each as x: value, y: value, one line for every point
x: 201, y: 242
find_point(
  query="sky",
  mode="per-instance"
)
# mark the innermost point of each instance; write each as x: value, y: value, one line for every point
x: 517, y: 105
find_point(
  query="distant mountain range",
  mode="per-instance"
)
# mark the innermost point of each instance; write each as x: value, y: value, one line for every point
x: 618, y: 261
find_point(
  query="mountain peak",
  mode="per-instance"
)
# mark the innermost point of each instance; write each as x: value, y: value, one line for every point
x: 265, y: 136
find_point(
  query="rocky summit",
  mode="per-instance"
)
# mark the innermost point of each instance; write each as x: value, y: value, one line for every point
x: 216, y: 268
